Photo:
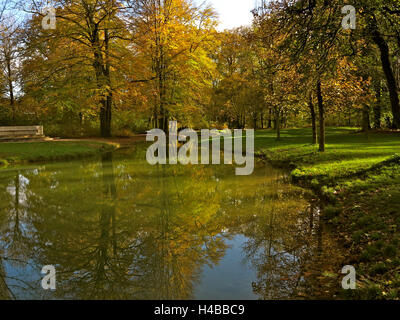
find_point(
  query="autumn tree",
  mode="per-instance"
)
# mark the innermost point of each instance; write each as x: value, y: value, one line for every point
x: 9, y: 49
x: 379, y: 22
x: 173, y: 40
x: 94, y: 30
x: 311, y: 31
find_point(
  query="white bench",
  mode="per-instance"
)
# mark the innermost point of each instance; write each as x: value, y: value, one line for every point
x: 28, y: 132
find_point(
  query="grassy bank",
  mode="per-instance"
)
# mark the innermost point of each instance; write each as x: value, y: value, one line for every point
x: 359, y: 178
x: 12, y: 153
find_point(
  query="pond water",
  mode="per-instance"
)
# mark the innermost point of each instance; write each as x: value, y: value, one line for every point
x: 118, y: 228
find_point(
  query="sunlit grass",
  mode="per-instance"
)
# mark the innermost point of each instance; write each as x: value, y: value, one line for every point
x: 346, y: 151
x: 359, y: 178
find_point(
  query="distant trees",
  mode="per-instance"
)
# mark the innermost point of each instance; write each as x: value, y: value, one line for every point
x: 328, y: 57
x: 135, y: 65
x: 232, y: 83
x: 173, y: 39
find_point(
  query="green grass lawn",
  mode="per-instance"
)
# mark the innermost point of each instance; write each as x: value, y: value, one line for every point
x: 359, y: 178
x: 346, y: 150
x: 48, y: 151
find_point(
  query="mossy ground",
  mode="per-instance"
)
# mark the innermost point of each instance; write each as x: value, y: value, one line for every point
x: 359, y: 178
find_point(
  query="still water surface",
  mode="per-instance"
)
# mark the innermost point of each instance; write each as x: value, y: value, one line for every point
x: 118, y: 228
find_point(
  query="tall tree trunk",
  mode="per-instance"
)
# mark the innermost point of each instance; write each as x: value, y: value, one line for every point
x: 321, y: 117
x: 278, y: 123
x: 270, y: 118
x: 313, y: 119
x: 378, y: 106
x: 262, y: 120
x: 366, y: 124
x: 102, y: 70
x: 162, y: 93
x: 108, y: 111
x: 387, y: 68
x: 160, y: 62
x: 255, y: 119
x: 11, y: 88
x: 283, y: 119
x: 105, y: 115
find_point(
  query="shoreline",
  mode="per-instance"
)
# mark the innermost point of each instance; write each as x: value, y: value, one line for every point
x: 90, y: 146
x: 377, y: 276
x: 17, y: 153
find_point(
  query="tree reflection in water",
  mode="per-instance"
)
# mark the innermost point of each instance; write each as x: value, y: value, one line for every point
x: 120, y: 229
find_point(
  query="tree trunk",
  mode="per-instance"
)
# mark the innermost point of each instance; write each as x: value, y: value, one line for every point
x: 270, y: 118
x: 278, y: 123
x: 366, y: 124
x: 11, y: 88
x: 321, y: 118
x: 255, y: 121
x: 313, y: 120
x: 387, y: 68
x: 161, y: 63
x: 107, y: 125
x: 102, y: 70
x: 162, y: 94
x: 378, y: 106
x: 283, y: 119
